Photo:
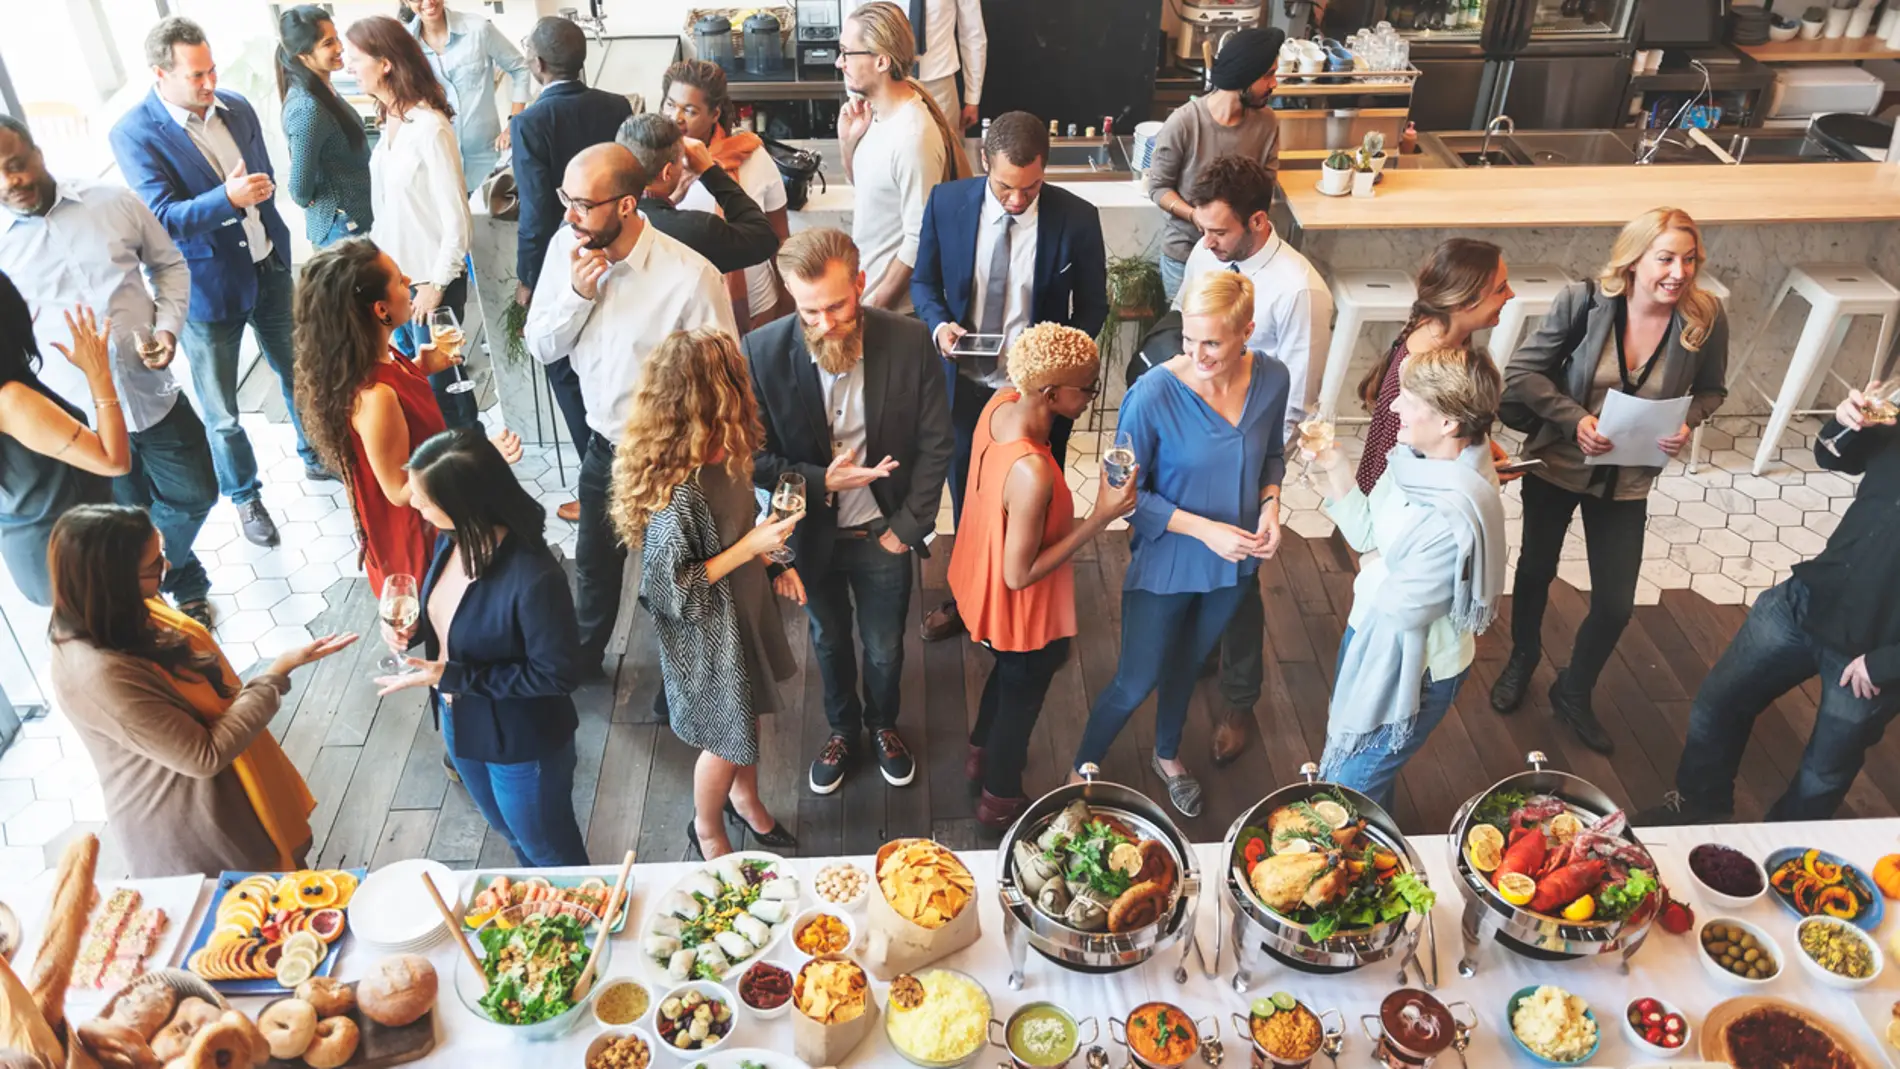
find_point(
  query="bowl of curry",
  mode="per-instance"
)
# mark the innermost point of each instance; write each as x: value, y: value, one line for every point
x: 1161, y: 1035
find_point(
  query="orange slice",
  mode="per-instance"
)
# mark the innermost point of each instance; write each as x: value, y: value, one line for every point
x: 315, y: 891
x: 345, y: 885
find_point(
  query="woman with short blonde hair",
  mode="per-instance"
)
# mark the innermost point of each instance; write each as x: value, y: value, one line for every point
x: 1207, y: 437
x: 682, y: 489
x: 1642, y: 327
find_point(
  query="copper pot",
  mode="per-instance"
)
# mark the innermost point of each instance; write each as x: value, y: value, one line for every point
x: 1413, y: 1029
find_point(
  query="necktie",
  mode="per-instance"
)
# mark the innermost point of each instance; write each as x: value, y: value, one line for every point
x: 1234, y: 267
x: 918, y: 22
x: 996, y: 284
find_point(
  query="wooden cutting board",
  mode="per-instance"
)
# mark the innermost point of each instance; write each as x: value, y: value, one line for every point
x: 1713, y: 1040
x: 377, y: 1045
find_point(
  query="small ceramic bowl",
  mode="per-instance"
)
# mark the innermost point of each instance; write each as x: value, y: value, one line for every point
x: 781, y: 1010
x: 1727, y: 901
x: 852, y: 905
x: 602, y: 1040
x: 1510, y: 1014
x: 1763, y: 941
x: 1636, y: 1037
x: 709, y: 991
x: 799, y: 922
x: 606, y: 987
x: 1827, y: 976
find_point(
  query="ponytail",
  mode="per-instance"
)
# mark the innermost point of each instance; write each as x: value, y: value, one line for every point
x: 887, y: 31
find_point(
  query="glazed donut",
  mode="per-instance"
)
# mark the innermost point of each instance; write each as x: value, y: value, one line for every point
x: 220, y: 1045
x: 288, y: 1027
x: 334, y: 1045
x: 116, y: 1046
x: 328, y: 996
x: 145, y: 1009
x: 260, y: 1050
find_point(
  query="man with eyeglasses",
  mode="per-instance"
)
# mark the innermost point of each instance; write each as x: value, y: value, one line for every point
x: 611, y: 289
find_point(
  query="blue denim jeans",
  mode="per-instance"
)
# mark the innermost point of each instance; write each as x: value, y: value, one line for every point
x: 1173, y: 273
x: 1165, y: 637
x: 530, y: 803
x: 341, y: 228
x: 212, y: 347
x: 878, y: 581
x: 1375, y: 768
x: 1771, y: 655
x: 458, y: 409
x: 173, y: 478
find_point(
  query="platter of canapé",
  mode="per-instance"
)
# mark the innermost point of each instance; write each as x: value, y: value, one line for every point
x: 1315, y: 880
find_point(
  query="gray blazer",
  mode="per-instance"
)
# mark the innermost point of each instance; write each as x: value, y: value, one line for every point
x: 1551, y: 377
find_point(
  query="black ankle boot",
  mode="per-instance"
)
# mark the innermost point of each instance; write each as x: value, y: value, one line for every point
x: 1572, y: 708
x: 1508, y: 692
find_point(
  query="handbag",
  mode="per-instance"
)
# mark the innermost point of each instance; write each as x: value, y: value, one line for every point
x: 797, y: 167
x: 498, y: 191
x: 1161, y: 344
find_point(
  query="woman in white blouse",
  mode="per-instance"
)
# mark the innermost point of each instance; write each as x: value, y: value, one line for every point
x: 416, y: 189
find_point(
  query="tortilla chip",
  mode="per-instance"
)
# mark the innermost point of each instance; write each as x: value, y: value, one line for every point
x: 925, y: 883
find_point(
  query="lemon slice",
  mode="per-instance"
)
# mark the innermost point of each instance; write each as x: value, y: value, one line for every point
x: 305, y: 939
x: 293, y: 969
x: 1565, y: 826
x: 1332, y: 813
x: 1581, y: 910
x: 1484, y: 847
x: 1296, y: 846
x: 1517, y: 888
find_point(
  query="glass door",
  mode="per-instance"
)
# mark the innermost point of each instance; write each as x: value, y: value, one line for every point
x: 1571, y: 19
x: 1437, y: 20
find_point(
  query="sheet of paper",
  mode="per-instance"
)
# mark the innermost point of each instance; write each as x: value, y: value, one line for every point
x: 1633, y: 425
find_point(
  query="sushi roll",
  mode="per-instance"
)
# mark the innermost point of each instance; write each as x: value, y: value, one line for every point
x: 681, y: 905
x: 783, y: 887
x: 770, y: 910
x: 713, y: 961
x: 661, y: 947
x: 702, y: 883
x: 666, y: 924
x: 736, y: 946
x: 679, y: 967
x: 755, y: 930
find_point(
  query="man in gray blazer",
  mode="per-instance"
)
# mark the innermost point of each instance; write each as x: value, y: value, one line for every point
x: 852, y: 398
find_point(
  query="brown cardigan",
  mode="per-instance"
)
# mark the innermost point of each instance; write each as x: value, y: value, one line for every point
x: 172, y: 800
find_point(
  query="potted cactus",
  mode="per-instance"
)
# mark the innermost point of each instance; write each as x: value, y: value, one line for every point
x: 1335, y: 175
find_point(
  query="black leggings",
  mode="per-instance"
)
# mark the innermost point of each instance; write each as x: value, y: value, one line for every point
x: 1012, y: 700
x: 1613, y: 533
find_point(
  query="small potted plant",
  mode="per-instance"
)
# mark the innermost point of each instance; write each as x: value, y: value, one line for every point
x: 1364, y: 173
x: 1335, y: 175
x: 1373, y: 149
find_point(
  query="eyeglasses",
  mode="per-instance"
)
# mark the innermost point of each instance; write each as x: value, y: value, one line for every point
x: 580, y: 205
x: 847, y: 53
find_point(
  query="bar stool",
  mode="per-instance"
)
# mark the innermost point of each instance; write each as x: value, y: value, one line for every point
x: 1707, y: 281
x: 1361, y: 297
x: 1536, y: 286
x: 1836, y: 293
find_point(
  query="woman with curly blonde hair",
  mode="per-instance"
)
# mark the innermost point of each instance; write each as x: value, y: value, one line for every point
x: 682, y: 489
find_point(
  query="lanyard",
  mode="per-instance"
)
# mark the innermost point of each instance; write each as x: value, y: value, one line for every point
x: 1622, y: 364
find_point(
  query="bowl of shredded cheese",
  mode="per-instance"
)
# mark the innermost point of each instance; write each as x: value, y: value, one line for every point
x: 937, y: 1018
x: 1553, y: 1026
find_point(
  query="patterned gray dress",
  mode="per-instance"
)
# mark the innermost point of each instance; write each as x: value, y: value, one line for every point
x: 722, y: 645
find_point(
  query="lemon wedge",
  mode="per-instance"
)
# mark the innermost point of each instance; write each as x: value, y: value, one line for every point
x: 1581, y: 910
x: 1484, y: 847
x: 1517, y: 888
x: 1565, y: 826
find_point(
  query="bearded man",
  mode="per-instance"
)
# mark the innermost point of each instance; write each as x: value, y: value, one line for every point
x: 611, y: 289
x: 853, y: 402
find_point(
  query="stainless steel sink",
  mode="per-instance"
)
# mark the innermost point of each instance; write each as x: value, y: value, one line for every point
x: 1572, y: 148
x: 1776, y: 147
x: 1469, y: 150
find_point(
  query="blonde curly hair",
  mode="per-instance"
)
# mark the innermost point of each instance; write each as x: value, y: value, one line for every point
x: 694, y: 406
x: 1048, y: 350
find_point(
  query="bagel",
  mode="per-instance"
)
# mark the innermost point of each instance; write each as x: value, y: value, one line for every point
x: 223, y: 1044
x: 260, y: 1050
x: 335, y: 1043
x: 288, y: 1027
x: 328, y: 996
x: 116, y: 1046
x: 173, y: 1040
x: 196, y: 1011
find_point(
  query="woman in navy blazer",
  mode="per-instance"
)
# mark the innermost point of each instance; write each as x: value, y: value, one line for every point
x: 498, y: 641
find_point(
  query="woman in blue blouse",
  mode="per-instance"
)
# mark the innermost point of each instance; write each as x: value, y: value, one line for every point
x: 329, y: 153
x: 498, y: 642
x: 467, y: 53
x: 1207, y: 437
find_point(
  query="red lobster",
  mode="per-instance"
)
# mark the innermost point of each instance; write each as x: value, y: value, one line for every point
x: 1523, y: 854
x: 1568, y: 884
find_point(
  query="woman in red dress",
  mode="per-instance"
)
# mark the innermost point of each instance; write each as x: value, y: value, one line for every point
x: 366, y: 406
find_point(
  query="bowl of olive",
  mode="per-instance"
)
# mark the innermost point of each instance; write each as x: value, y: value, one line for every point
x: 1739, y: 952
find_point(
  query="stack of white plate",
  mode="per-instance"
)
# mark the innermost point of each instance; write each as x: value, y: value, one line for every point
x: 392, y: 910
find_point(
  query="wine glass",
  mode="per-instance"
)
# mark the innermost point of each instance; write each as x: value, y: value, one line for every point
x: 1882, y: 406
x: 398, y: 608
x: 1316, y: 437
x: 788, y: 499
x: 1119, y: 462
x: 151, y: 350
x: 445, y: 333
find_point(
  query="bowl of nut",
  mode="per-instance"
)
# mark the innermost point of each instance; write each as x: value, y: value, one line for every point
x: 620, y: 1048
x: 843, y: 885
x: 1739, y: 952
x: 1837, y: 953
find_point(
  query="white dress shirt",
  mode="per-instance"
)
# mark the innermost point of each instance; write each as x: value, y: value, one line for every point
x: 662, y: 286
x: 1019, y: 290
x: 220, y: 149
x: 1292, y: 314
x: 898, y: 160
x: 415, y: 188
x: 96, y: 246
x: 953, y: 30
x: 760, y: 179
x: 844, y: 411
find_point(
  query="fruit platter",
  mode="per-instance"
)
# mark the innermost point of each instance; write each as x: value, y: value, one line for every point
x: 493, y: 892
x: 267, y: 932
x: 720, y: 917
x: 1815, y: 883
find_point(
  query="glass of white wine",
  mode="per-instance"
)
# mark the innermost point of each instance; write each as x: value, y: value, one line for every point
x: 398, y: 608
x: 1316, y: 437
x: 1119, y: 462
x: 1880, y: 407
x: 788, y: 499
x: 151, y: 351
x: 445, y: 333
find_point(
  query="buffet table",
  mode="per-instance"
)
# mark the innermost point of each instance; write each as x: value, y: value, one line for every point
x: 1666, y: 966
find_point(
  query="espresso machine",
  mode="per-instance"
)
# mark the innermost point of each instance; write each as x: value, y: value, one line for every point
x: 1206, y: 25
x: 816, y: 40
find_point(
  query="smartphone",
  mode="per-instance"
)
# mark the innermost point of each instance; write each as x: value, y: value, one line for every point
x: 978, y: 345
x: 1518, y: 466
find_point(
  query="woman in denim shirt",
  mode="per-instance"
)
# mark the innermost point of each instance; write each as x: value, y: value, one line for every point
x: 329, y: 153
x: 466, y: 52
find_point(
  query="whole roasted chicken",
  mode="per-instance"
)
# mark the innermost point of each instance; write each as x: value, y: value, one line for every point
x: 1285, y: 882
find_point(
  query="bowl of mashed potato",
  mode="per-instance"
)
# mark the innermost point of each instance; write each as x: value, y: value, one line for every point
x: 937, y: 1018
x: 1553, y: 1026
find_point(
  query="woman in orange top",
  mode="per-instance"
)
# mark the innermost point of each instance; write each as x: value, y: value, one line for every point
x: 1010, y: 569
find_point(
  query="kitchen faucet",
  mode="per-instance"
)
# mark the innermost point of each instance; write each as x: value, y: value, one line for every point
x: 1490, y: 128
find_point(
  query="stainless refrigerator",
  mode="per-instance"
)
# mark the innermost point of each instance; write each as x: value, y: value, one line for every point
x: 1549, y: 64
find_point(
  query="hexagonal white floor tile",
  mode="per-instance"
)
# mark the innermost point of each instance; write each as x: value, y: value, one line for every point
x: 1701, y: 514
x: 1831, y: 483
x: 1748, y: 572
x: 246, y: 625
x: 1674, y: 530
x: 1694, y: 559
x: 1719, y: 589
x: 1310, y: 525
x: 1821, y: 523
x: 39, y: 822
x: 315, y: 578
x: 1667, y: 575
x: 15, y: 795
x: 27, y: 756
x: 1575, y: 572
x: 65, y: 777
x: 215, y: 534
x: 1754, y: 528
x: 281, y: 638
x: 338, y: 523
x: 242, y: 655
x: 297, y: 533
x: 1778, y: 513
x: 1647, y: 593
x: 1725, y: 543
x: 243, y: 552
x: 330, y: 549
x: 1804, y: 497
x: 1757, y: 487
x: 298, y: 609
x: 262, y: 594
x: 1803, y: 541
x: 1775, y: 556
x: 230, y: 578
x: 279, y: 564
x: 1680, y: 488
x: 1730, y: 500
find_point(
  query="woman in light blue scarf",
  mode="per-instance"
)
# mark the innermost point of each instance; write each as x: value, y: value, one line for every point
x: 1437, y: 522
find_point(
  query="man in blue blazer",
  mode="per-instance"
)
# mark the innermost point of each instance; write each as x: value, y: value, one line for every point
x: 998, y: 254
x: 196, y: 155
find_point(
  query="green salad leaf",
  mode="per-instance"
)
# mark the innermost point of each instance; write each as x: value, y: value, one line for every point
x: 1618, y: 900
x: 1497, y: 807
x: 531, y: 968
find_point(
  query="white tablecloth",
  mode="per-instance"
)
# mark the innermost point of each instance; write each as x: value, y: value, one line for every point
x: 1666, y: 966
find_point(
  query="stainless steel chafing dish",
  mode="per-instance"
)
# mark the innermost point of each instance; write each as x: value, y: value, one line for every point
x: 1025, y: 926
x: 1488, y: 916
x: 1258, y: 931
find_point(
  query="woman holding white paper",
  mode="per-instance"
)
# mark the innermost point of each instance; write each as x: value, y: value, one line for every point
x: 1642, y: 327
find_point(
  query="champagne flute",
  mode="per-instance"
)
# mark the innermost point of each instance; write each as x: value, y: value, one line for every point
x: 788, y: 499
x: 1119, y: 462
x: 1881, y: 406
x: 398, y: 608
x: 151, y: 351
x: 446, y: 335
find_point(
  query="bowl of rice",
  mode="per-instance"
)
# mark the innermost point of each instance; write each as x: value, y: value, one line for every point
x: 1553, y: 1026
x: 937, y: 1018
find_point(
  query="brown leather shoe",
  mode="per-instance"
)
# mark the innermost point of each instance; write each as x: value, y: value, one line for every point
x: 997, y: 814
x: 1230, y: 736
x: 571, y: 512
x: 942, y: 622
x: 973, y: 764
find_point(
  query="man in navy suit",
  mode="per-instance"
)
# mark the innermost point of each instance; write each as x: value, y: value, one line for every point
x: 196, y: 155
x: 998, y: 254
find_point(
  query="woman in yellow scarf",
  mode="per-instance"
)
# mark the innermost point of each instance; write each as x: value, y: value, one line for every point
x: 192, y: 780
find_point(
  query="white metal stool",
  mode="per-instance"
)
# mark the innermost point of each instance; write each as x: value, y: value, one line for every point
x: 1836, y: 293
x: 1360, y: 297
x: 1536, y: 286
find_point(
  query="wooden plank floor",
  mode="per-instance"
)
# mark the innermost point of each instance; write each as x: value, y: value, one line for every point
x: 375, y: 764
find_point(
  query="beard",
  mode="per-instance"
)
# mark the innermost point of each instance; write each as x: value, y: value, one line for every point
x: 1254, y: 103
x: 600, y: 238
x: 839, y: 351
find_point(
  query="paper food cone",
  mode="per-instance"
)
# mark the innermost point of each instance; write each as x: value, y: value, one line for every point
x: 894, y: 944
x: 828, y: 1044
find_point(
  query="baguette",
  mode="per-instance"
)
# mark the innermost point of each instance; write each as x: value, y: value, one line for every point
x: 73, y: 895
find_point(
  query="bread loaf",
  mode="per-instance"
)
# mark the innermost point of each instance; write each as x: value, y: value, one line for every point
x: 73, y: 895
